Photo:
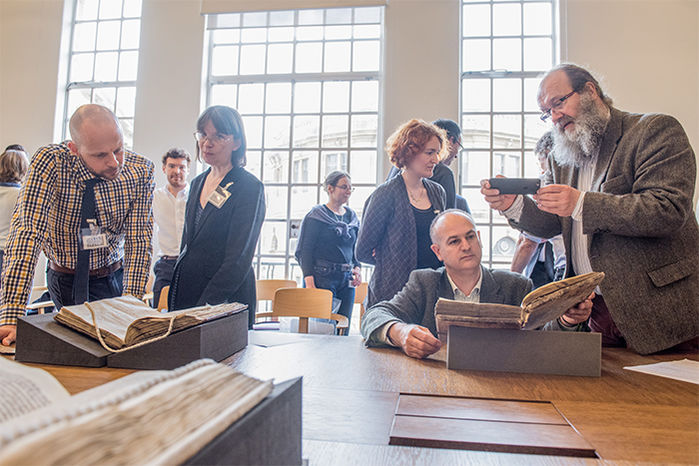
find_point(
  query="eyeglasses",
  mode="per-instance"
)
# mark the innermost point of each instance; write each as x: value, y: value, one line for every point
x: 213, y: 139
x: 345, y: 187
x: 556, y: 105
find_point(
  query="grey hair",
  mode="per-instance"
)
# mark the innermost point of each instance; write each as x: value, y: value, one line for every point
x: 444, y: 213
x: 578, y: 77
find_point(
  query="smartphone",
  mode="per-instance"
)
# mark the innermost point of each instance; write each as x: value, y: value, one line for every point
x: 516, y: 185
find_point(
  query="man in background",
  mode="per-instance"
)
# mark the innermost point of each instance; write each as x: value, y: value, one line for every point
x: 542, y: 260
x: 169, y: 204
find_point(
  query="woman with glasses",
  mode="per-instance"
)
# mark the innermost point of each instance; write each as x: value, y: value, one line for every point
x: 325, y: 248
x: 395, y: 232
x: 223, y: 218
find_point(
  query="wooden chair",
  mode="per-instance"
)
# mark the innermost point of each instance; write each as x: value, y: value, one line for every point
x: 305, y: 303
x: 267, y: 288
x: 42, y: 305
x: 359, y: 295
x: 149, y: 289
x: 162, y: 301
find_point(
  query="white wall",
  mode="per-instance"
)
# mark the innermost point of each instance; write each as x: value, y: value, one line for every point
x: 30, y: 35
x: 421, y: 63
x: 645, y: 52
x: 169, y: 79
x: 30, y: 38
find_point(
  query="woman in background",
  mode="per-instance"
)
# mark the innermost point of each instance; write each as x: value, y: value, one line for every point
x: 223, y: 218
x: 325, y: 248
x: 14, y: 164
x: 395, y: 231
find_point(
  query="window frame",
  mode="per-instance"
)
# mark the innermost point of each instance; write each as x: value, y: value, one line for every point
x: 92, y: 84
x: 525, y: 149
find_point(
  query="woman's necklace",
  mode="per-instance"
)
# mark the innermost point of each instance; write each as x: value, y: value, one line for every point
x: 416, y: 200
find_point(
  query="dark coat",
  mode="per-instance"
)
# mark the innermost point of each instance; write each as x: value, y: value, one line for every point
x: 387, y: 237
x: 215, y: 263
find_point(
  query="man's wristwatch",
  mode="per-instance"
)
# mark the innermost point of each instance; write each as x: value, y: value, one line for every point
x: 565, y: 324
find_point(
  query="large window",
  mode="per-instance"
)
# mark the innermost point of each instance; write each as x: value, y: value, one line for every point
x: 104, y: 59
x: 307, y: 85
x: 506, y: 46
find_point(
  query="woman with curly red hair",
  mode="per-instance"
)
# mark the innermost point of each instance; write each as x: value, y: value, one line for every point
x: 394, y: 235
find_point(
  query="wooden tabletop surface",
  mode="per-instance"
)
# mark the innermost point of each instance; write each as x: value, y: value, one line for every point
x: 350, y: 393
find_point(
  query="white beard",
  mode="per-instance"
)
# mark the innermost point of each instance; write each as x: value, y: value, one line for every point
x: 581, y: 145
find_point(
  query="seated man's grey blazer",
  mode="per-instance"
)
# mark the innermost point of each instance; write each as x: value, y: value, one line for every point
x: 414, y: 304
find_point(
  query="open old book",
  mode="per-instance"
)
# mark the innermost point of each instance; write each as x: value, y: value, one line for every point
x: 150, y: 417
x: 539, y: 307
x: 126, y: 321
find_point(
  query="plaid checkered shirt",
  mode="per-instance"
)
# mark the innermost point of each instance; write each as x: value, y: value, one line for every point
x: 47, y: 218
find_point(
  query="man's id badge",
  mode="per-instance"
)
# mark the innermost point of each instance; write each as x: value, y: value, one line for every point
x: 220, y: 195
x: 92, y: 237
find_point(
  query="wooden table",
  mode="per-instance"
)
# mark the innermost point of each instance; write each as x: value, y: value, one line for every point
x: 350, y: 393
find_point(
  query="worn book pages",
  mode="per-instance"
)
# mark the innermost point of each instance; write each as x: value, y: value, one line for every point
x: 161, y: 417
x: 125, y: 321
x: 25, y: 389
x: 542, y: 305
x: 552, y: 300
x: 7, y: 349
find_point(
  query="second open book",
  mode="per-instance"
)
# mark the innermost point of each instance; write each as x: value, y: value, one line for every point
x: 539, y: 307
x: 126, y: 321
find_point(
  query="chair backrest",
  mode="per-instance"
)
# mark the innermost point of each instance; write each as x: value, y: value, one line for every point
x: 149, y: 283
x: 360, y: 293
x: 267, y: 288
x: 162, y: 301
x: 303, y: 302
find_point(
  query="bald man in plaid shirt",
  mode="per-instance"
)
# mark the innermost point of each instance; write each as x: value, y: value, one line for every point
x: 50, y: 216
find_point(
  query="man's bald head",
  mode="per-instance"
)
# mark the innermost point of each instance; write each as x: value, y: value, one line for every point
x: 448, y: 216
x: 90, y: 117
x: 456, y: 241
x: 97, y: 139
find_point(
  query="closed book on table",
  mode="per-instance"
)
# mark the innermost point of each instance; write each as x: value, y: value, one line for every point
x: 510, y: 426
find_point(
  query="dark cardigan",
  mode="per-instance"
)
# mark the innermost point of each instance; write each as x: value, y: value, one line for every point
x: 387, y: 237
x: 215, y: 263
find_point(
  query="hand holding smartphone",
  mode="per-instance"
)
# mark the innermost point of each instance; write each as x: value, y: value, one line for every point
x: 515, y: 185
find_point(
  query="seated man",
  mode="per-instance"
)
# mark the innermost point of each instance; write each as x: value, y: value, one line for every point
x: 407, y: 320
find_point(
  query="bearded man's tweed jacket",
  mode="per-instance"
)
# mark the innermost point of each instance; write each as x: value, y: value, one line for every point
x: 642, y: 231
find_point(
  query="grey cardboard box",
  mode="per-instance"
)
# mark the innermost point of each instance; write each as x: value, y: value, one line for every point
x: 270, y: 434
x: 41, y: 339
x: 527, y: 351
